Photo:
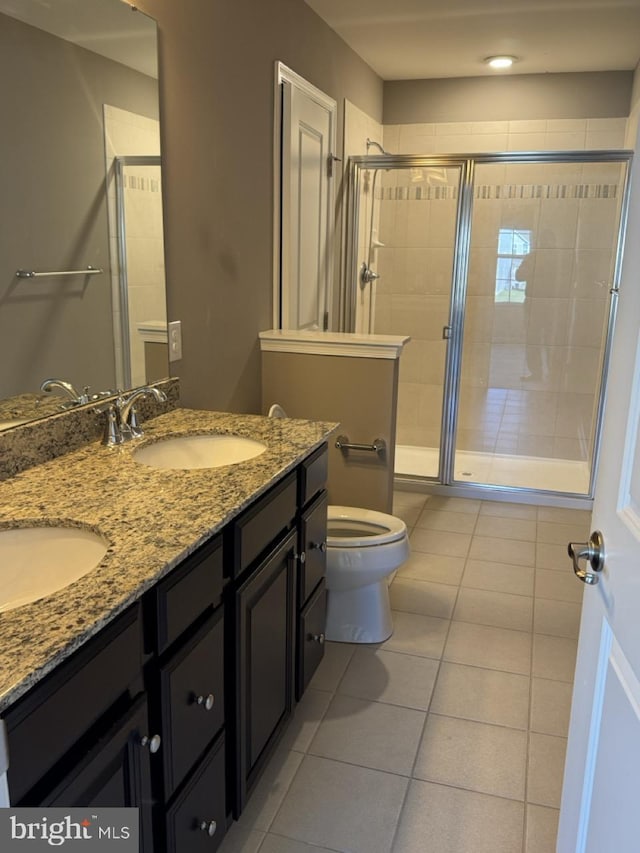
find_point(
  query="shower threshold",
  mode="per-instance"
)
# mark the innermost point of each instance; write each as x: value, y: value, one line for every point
x: 526, y: 472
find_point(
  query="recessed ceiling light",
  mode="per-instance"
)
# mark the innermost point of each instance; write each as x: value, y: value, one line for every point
x: 499, y: 63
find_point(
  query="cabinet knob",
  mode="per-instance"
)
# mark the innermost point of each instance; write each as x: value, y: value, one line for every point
x: 318, y: 546
x: 206, y: 701
x: 317, y: 638
x: 209, y: 826
x: 153, y: 743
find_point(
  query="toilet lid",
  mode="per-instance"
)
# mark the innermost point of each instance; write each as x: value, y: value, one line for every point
x: 353, y: 527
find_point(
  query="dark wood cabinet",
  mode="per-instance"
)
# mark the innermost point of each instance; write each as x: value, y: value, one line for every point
x: 186, y: 682
x: 176, y: 706
x: 264, y: 643
x: 196, y: 820
x: 310, y: 646
x: 116, y: 772
x: 192, y: 700
x: 63, y: 716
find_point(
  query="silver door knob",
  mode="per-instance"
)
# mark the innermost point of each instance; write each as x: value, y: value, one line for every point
x: 206, y: 701
x: 319, y: 546
x: 317, y: 638
x: 209, y: 826
x: 591, y: 551
x: 152, y: 743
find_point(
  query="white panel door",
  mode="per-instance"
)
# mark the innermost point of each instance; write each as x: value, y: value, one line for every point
x: 600, y: 811
x: 306, y: 207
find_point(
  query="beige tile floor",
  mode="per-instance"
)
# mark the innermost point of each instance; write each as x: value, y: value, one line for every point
x: 450, y: 736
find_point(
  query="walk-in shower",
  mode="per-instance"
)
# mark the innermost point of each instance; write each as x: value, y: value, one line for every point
x: 504, y: 270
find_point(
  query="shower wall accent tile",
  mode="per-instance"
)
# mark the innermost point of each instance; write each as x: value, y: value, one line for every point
x: 485, y: 192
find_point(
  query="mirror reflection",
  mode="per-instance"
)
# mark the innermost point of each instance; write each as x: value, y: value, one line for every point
x: 81, y: 210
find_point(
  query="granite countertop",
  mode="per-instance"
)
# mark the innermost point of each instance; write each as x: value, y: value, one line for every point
x: 151, y: 518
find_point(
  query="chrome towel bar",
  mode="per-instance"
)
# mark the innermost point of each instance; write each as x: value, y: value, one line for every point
x: 33, y: 274
x: 378, y: 446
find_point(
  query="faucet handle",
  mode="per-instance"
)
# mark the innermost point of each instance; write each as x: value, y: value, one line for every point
x: 133, y: 423
x: 112, y: 431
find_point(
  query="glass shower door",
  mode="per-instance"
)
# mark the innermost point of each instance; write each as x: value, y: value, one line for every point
x: 542, y: 266
x: 409, y: 242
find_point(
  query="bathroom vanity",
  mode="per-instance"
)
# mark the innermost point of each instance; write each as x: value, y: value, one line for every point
x: 163, y: 678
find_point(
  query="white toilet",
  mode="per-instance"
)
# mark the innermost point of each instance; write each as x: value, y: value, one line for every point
x: 364, y: 548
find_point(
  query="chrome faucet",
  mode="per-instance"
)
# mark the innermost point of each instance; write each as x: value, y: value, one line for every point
x: 122, y: 419
x: 77, y: 399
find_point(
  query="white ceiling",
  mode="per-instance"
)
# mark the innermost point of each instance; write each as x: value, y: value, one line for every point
x: 107, y: 27
x: 416, y: 39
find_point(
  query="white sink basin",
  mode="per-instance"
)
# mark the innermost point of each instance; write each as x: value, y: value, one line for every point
x: 198, y: 451
x: 38, y: 561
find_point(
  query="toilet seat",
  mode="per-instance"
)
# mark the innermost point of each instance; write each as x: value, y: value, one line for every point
x: 355, y: 527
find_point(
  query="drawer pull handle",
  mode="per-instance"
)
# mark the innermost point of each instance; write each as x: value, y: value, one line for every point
x: 206, y: 701
x: 319, y: 546
x: 209, y: 826
x: 153, y: 743
x: 317, y: 638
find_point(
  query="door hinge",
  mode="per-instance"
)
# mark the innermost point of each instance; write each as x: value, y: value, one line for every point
x: 446, y: 333
x: 331, y: 159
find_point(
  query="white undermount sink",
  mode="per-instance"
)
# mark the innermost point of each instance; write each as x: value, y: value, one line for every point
x: 198, y: 451
x: 38, y: 561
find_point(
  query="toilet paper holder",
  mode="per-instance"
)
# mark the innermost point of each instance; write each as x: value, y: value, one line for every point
x: 378, y: 445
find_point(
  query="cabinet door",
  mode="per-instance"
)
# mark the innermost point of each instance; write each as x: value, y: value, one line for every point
x: 313, y: 545
x: 115, y: 773
x: 196, y: 820
x: 192, y: 700
x: 310, y: 648
x: 264, y: 666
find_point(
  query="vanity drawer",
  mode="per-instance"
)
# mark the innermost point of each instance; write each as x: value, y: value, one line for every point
x: 197, y: 820
x: 311, y: 625
x: 313, y: 474
x: 192, y: 700
x: 257, y: 528
x: 187, y: 592
x: 313, y: 544
x: 50, y: 720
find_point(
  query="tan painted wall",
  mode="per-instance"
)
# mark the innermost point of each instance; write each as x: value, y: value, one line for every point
x: 217, y: 80
x: 361, y: 394
x: 526, y: 96
x: 53, y: 211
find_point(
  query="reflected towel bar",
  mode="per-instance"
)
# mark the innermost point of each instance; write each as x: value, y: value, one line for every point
x: 34, y: 274
x: 378, y: 446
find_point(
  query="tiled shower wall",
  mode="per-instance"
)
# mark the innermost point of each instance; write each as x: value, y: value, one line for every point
x: 358, y: 127
x: 570, y: 211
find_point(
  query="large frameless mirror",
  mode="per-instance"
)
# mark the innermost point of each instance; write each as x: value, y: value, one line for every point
x: 82, y: 286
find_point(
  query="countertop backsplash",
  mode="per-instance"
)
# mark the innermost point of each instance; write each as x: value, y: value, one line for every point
x: 41, y: 440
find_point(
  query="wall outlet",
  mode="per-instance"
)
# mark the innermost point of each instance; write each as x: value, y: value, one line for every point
x: 175, y: 340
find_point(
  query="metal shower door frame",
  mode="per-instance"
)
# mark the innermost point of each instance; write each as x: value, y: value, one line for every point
x: 453, y: 362
x: 120, y: 164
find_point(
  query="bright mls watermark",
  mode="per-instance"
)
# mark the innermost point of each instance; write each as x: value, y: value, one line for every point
x: 36, y: 829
